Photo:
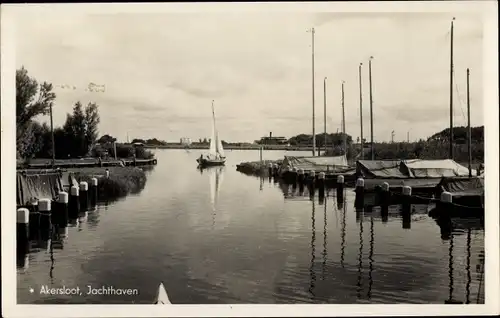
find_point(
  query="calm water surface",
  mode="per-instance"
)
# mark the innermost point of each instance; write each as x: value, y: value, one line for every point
x: 223, y: 237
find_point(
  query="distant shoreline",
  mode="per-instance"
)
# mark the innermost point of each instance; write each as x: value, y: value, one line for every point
x: 233, y: 147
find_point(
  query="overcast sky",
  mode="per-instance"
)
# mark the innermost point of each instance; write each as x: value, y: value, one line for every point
x: 161, y: 70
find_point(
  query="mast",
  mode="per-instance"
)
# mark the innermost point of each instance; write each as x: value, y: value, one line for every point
x: 324, y: 112
x: 371, y: 107
x: 469, y: 137
x: 451, y: 91
x: 343, y: 122
x: 313, y: 101
x: 361, y: 111
x: 52, y: 138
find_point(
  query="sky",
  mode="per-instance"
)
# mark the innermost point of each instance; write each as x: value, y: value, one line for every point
x: 161, y: 71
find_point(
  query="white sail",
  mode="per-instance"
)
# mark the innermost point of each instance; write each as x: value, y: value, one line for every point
x: 220, y: 149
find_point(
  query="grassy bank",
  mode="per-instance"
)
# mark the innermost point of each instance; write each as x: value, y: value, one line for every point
x: 121, y: 182
x: 256, y: 167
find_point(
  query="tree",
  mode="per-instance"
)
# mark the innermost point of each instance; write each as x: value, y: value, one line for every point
x: 32, y: 99
x: 92, y: 120
x: 106, y: 139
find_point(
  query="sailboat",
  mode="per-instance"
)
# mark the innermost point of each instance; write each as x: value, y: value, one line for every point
x: 215, y: 156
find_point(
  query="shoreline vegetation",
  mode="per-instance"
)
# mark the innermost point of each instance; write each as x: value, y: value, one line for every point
x: 122, y: 181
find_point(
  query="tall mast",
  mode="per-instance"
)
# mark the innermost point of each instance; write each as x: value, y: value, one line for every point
x: 469, y: 137
x: 371, y: 107
x: 343, y: 122
x: 361, y: 111
x: 324, y: 111
x: 451, y: 90
x: 313, y: 101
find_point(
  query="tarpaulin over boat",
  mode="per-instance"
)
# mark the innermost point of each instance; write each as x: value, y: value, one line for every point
x: 318, y: 164
x: 380, y: 169
x: 463, y: 186
x: 434, y: 168
x: 406, y: 169
x: 37, y: 186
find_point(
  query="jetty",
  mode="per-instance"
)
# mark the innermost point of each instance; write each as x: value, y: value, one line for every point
x: 83, y: 163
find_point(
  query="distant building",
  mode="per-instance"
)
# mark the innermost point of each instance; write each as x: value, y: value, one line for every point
x: 186, y: 141
x: 270, y: 140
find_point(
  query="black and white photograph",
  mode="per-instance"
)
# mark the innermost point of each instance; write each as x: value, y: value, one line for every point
x: 241, y: 154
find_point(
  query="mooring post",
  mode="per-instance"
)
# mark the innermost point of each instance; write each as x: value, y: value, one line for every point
x: 74, y: 203
x: 301, y: 179
x: 275, y: 170
x: 321, y: 184
x: 93, y: 192
x: 22, y: 231
x: 340, y: 189
x: 406, y: 207
x: 45, y: 209
x: 60, y: 213
x: 107, y: 173
x: 384, y: 199
x: 359, y: 201
x: 84, y: 196
x: 270, y: 170
x: 446, y: 205
x: 34, y: 220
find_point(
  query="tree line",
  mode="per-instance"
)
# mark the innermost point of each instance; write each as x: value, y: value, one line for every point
x: 75, y: 139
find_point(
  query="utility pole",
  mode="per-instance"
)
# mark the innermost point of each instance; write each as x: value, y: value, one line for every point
x: 469, y: 133
x: 313, y: 101
x: 371, y: 106
x: 451, y: 90
x: 324, y: 112
x: 343, y: 122
x: 52, y: 137
x: 408, y: 136
x: 361, y: 111
x: 392, y: 136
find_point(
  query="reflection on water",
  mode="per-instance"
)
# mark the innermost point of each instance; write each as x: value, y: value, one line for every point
x: 215, y: 238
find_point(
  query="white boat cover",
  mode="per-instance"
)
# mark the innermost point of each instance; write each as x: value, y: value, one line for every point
x: 318, y: 164
x: 414, y: 168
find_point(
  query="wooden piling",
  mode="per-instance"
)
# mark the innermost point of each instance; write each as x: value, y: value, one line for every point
x: 45, y: 209
x: 74, y: 203
x: 22, y: 231
x: 34, y: 221
x: 84, y: 196
x: 384, y: 200
x: 340, y: 189
x: 406, y: 207
x: 93, y: 192
x: 359, y: 201
x: 321, y: 184
x: 60, y: 214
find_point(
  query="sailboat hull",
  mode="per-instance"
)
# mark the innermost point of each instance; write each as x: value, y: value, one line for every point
x: 211, y: 162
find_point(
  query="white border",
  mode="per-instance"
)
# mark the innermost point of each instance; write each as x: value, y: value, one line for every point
x: 489, y: 11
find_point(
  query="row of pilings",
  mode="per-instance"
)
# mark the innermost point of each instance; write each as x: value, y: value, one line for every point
x: 40, y: 218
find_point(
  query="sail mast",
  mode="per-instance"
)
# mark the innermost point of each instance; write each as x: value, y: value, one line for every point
x: 469, y: 150
x: 344, y: 137
x: 361, y: 110
x: 451, y: 90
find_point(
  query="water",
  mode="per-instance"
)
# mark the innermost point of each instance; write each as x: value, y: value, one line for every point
x: 245, y: 243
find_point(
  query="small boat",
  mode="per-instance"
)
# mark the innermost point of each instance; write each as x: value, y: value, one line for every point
x: 161, y: 296
x: 215, y: 156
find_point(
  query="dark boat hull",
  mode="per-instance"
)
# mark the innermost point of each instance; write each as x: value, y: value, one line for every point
x: 211, y: 162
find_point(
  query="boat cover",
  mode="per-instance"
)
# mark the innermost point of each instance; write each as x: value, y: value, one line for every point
x: 409, y: 169
x: 380, y: 169
x: 435, y: 168
x: 37, y: 186
x: 318, y: 164
x: 463, y: 186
